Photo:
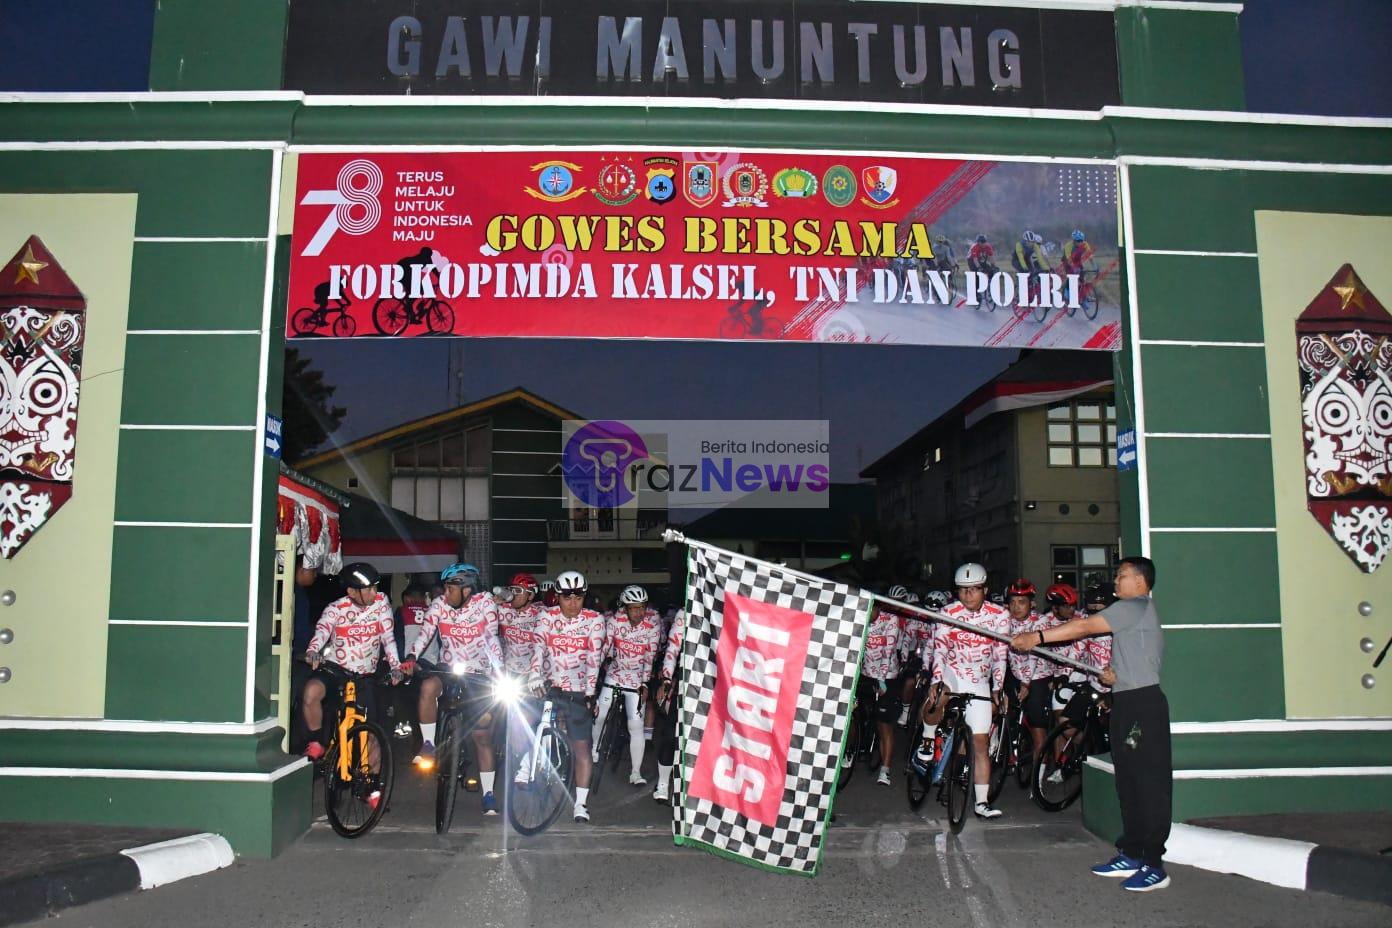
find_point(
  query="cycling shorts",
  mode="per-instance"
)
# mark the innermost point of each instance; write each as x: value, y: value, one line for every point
x: 366, y: 698
x: 885, y: 705
x: 575, y: 709
x: 1037, y: 705
x: 978, y: 712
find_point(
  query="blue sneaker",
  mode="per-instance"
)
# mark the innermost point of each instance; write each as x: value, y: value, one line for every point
x: 426, y: 757
x: 490, y: 805
x: 1118, y: 866
x: 1146, y: 879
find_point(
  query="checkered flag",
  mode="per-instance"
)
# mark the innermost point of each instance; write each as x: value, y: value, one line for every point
x: 770, y: 660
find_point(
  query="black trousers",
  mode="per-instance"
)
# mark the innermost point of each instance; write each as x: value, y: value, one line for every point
x: 1140, y: 733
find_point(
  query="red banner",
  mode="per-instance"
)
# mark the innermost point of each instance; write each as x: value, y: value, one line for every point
x: 713, y: 245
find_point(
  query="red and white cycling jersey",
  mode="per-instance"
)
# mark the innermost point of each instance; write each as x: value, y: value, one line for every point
x: 1096, y: 651
x: 1029, y: 666
x: 881, y: 661
x: 631, y: 648
x: 570, y: 650
x: 970, y: 657
x: 468, y: 635
x: 520, y: 640
x: 914, y: 632
x: 672, y: 654
x: 358, y: 634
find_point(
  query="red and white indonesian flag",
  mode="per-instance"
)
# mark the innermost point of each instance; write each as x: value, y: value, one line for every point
x: 769, y: 666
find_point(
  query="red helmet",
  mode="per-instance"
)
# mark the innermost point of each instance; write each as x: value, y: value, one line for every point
x: 1061, y: 594
x: 1021, y: 587
x: 525, y: 581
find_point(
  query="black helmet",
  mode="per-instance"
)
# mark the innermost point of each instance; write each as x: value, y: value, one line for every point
x: 359, y: 575
x: 1100, y: 594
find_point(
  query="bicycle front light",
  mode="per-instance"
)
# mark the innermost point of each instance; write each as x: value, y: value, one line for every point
x: 459, y: 669
x: 507, y: 690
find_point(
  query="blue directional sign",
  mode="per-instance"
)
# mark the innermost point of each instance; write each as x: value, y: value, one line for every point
x: 272, y: 442
x: 1126, y: 450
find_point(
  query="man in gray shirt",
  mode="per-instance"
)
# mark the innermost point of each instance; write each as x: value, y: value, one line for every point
x: 1140, y: 726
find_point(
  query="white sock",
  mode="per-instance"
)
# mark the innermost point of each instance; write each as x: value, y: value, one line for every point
x: 664, y: 776
x: 486, y: 780
x: 927, y: 733
x: 428, y: 731
x: 581, y: 794
x: 981, y: 793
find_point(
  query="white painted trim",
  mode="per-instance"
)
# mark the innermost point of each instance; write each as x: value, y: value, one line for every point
x: 1257, y: 773
x: 181, y: 623
x: 1226, y: 625
x: 1242, y: 116
x: 144, y: 427
x: 140, y: 728
x: 1185, y: 5
x: 258, y: 461
x: 195, y: 239
x: 1196, y: 254
x: 1134, y: 313
x: 1208, y: 435
x: 111, y: 773
x: 192, y: 332
x: 1278, y: 861
x: 1223, y: 164
x: 1257, y: 726
x: 1200, y: 529
x: 1200, y: 344
x: 267, y: 144
x: 152, y: 96
x: 126, y: 524
x: 170, y: 861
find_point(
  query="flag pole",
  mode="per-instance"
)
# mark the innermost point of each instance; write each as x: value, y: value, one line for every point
x: 672, y: 536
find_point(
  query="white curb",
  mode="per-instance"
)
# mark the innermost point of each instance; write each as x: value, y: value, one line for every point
x: 1279, y: 861
x: 171, y: 861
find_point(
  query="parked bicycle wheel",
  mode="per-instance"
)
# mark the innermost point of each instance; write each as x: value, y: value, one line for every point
x: 1058, y: 771
x: 959, y: 779
x: 439, y: 318
x: 446, y: 774
x: 348, y: 803
x: 390, y: 316
x: 547, y: 779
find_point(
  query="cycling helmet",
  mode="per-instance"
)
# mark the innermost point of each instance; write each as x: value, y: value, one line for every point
x: 547, y: 586
x: 942, y: 239
x: 899, y: 592
x: 359, y: 575
x: 1100, y: 594
x: 981, y: 238
x: 1078, y: 235
x: 1021, y: 587
x: 633, y: 595
x: 570, y: 581
x: 525, y: 582
x: 1029, y: 237
x: 912, y: 599
x: 998, y: 599
x: 937, y: 599
x: 970, y: 575
x: 1061, y: 594
x: 461, y: 574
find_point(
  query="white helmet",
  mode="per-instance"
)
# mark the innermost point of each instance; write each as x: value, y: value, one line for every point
x: 633, y: 595
x: 546, y: 586
x: 938, y: 598
x: 899, y: 592
x: 970, y: 575
x: 570, y: 581
x: 912, y: 598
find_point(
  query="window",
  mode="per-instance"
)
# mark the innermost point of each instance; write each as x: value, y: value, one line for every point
x: 1080, y: 566
x: 444, y: 478
x: 1081, y: 434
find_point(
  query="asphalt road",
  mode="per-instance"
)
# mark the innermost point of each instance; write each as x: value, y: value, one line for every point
x: 884, y: 865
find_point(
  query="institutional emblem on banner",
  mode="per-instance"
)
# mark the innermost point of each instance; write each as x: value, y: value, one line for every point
x: 795, y: 183
x: 617, y: 183
x: 43, y: 322
x: 769, y: 664
x: 661, y: 179
x: 880, y: 183
x: 1344, y: 343
x: 839, y: 185
x: 698, y: 182
x: 555, y: 181
x: 745, y: 184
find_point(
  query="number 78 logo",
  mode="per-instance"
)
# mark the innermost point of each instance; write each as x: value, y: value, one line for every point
x: 356, y: 208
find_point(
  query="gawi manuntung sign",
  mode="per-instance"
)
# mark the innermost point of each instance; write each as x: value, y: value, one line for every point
x: 706, y: 245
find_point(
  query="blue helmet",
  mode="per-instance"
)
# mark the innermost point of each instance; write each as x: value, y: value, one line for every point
x: 1078, y: 235
x: 462, y: 574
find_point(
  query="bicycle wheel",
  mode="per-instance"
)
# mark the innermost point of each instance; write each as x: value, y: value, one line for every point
x: 917, y: 784
x: 537, y: 801
x: 446, y: 774
x: 734, y: 326
x: 439, y: 318
x: 769, y: 327
x: 1089, y: 301
x: 1058, y: 771
x: 1041, y: 312
x: 1024, y: 756
x: 604, y: 746
x: 302, y: 323
x: 960, y: 779
x: 390, y: 316
x: 850, y: 752
x: 344, y: 326
x: 998, y: 749
x: 349, y: 805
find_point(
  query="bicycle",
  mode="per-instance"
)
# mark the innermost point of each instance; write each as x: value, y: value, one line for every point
x: 953, y: 763
x: 541, y: 777
x: 350, y: 783
x: 392, y: 315
x: 753, y: 322
x: 1009, y: 748
x: 307, y: 320
x: 1058, y: 770
x: 613, y: 735
x: 862, y: 737
x: 451, y: 768
x: 990, y: 270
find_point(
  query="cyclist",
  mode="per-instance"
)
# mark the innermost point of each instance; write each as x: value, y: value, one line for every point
x: 944, y: 258
x: 671, y: 682
x: 466, y: 621
x: 567, y: 660
x: 518, y: 615
x: 1031, y: 672
x: 360, y: 625
x: 633, y: 635
x: 1096, y: 650
x: 546, y: 592
x: 1063, y: 603
x: 982, y: 257
x: 914, y: 630
x: 964, y: 662
x: 879, y: 668
x: 1028, y: 258
x: 1077, y: 252
x: 425, y: 259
